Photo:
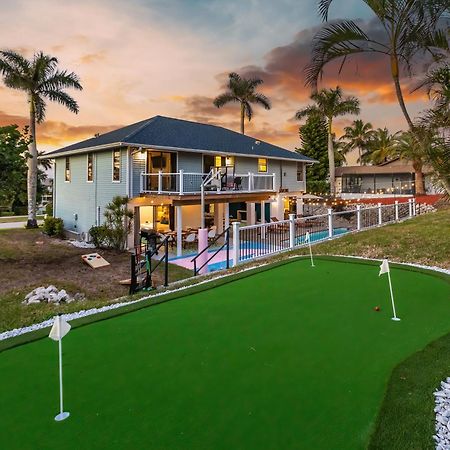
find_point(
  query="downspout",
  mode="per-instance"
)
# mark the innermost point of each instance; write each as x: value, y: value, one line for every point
x: 54, y: 189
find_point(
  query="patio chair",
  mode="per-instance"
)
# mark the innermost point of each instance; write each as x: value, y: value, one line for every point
x: 237, y: 182
x: 190, y: 239
x: 211, y: 234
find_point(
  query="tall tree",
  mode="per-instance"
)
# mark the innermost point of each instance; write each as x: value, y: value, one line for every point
x: 382, y: 147
x: 413, y: 146
x: 41, y: 80
x: 357, y: 136
x: 329, y: 103
x: 411, y: 28
x: 243, y: 91
x: 314, y: 140
x: 13, y: 148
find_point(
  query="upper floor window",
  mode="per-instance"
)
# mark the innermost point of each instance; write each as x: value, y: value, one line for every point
x: 116, y: 165
x: 300, y: 176
x: 90, y: 167
x: 262, y: 165
x: 67, y: 169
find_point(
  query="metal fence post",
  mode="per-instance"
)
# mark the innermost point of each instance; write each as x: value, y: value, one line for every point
x: 413, y: 206
x: 159, y: 182
x: 236, y: 226
x: 291, y: 230
x: 380, y: 217
x: 330, y: 223
x: 396, y: 210
x: 358, y: 217
x: 409, y: 207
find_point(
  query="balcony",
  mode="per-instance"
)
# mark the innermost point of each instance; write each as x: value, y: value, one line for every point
x: 188, y: 183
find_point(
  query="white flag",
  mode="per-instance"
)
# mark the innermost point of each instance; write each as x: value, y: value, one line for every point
x: 307, y: 237
x: 384, y: 267
x: 59, y: 329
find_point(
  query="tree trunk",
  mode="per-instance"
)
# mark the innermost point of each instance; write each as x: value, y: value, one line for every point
x: 331, y: 158
x: 32, y: 169
x: 419, y: 178
x: 242, y: 118
x: 398, y: 90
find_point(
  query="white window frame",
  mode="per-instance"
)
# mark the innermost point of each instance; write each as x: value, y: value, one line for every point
x: 267, y: 165
x: 67, y: 159
x: 87, y: 167
x: 303, y: 172
x: 120, y: 166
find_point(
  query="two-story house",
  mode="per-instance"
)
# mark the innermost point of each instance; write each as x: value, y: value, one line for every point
x: 161, y: 163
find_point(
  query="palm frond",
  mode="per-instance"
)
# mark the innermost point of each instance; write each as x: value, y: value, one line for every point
x: 16, y: 61
x: 338, y: 40
x: 324, y: 7
x: 262, y: 100
x: 223, y: 99
x: 308, y: 111
x: 61, y: 80
x: 62, y: 98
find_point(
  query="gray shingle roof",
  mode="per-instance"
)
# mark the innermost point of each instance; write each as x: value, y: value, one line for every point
x: 162, y: 131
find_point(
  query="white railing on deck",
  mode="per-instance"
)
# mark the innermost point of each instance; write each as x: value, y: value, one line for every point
x: 182, y: 183
x: 255, y: 241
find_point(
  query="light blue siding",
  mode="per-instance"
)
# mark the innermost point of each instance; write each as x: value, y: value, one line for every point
x: 190, y: 162
x: 76, y: 201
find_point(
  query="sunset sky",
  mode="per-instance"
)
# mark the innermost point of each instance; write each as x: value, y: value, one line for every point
x: 140, y: 58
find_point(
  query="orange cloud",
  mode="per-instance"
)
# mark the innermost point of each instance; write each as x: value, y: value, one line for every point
x: 56, y: 133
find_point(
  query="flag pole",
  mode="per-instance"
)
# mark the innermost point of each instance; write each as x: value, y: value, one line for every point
x: 62, y: 415
x: 310, y: 253
x: 392, y: 297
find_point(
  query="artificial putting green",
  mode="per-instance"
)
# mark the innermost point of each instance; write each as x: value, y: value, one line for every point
x: 292, y: 357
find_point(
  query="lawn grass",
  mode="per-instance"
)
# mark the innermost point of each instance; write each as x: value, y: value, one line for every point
x: 422, y: 240
x: 288, y: 358
x: 29, y: 259
x: 406, y: 418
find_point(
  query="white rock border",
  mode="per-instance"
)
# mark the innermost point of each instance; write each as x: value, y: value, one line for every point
x: 442, y: 410
x: 89, y: 312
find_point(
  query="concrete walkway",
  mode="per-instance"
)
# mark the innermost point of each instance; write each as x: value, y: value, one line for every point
x: 15, y: 225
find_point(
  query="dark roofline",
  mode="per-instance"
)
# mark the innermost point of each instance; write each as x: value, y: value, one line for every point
x: 126, y: 140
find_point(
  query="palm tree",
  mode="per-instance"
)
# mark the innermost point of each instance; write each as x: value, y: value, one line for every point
x: 40, y: 79
x: 413, y: 146
x: 329, y: 104
x: 382, y: 147
x: 437, y: 84
x: 357, y: 136
x: 243, y: 91
x: 411, y: 29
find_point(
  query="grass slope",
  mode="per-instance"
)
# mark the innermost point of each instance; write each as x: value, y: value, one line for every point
x: 423, y: 240
x: 406, y: 418
x: 291, y: 358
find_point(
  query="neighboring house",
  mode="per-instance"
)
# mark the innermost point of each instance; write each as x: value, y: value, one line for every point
x: 394, y: 177
x: 160, y: 164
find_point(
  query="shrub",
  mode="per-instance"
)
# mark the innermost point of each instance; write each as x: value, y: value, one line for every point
x: 117, y: 225
x: 49, y: 209
x: 53, y: 226
x: 100, y: 236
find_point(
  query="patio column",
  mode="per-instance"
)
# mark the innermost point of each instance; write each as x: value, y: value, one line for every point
x: 300, y: 205
x: 218, y: 217
x: 263, y: 219
x: 277, y: 208
x: 251, y: 213
x: 179, y: 225
x: 226, y: 213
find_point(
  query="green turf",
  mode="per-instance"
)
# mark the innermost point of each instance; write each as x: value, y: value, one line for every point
x: 289, y: 358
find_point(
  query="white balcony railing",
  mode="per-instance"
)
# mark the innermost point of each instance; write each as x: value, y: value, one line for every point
x: 182, y: 183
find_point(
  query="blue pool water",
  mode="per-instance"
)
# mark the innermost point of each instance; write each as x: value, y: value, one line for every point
x: 317, y: 236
